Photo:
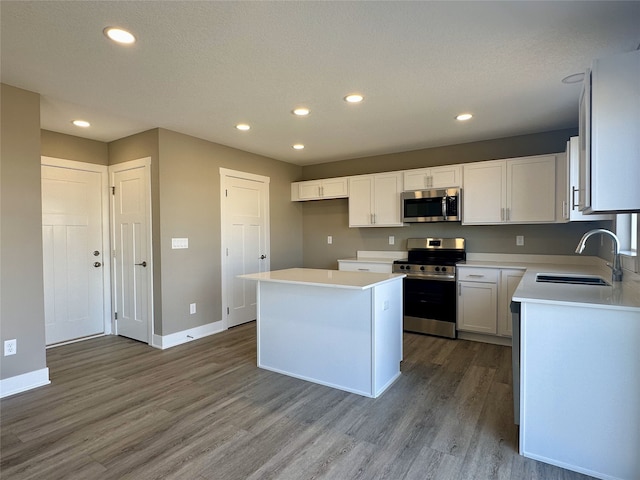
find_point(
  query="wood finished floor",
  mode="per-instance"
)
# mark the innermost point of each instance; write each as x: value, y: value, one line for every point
x: 117, y: 409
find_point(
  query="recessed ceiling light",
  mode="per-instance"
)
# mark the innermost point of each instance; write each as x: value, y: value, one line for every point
x: 243, y: 126
x: 298, y: 146
x: 301, y: 111
x: 81, y: 123
x: 119, y: 35
x: 464, y: 116
x: 573, y: 78
x: 354, y: 98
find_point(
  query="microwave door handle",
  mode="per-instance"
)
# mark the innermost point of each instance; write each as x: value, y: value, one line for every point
x: 444, y: 208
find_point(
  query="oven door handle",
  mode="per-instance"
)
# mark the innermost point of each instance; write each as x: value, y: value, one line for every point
x: 444, y: 207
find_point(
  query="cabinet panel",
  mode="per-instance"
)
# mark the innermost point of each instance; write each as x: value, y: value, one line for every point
x: 448, y: 176
x: 435, y: 177
x: 360, y: 199
x: 309, y: 190
x: 531, y: 190
x: 334, y: 188
x: 361, y: 266
x: 477, y: 307
x: 509, y: 280
x: 484, y: 193
x: 387, y: 200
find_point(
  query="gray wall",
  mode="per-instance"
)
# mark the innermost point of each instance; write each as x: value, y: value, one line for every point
x: 330, y: 217
x: 21, y: 282
x: 519, y: 146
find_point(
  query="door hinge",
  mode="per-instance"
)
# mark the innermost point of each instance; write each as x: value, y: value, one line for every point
x: 227, y: 310
x: 226, y: 192
x: 113, y: 190
x: 227, y: 252
x: 116, y: 314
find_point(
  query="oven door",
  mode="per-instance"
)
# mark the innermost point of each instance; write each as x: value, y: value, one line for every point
x: 430, y: 306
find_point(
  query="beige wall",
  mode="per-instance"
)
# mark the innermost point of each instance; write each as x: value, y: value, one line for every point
x: 21, y: 278
x: 69, y: 147
x: 190, y: 207
x: 330, y: 217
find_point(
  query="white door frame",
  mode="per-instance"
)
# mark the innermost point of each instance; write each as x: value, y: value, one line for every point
x: 119, y: 167
x: 102, y: 170
x: 224, y: 173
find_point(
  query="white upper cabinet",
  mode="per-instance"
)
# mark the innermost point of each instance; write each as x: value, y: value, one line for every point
x: 320, y: 189
x: 435, y: 177
x: 518, y: 190
x: 374, y: 200
x: 571, y: 187
x: 610, y: 135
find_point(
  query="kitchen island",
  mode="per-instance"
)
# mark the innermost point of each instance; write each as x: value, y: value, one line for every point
x: 336, y: 328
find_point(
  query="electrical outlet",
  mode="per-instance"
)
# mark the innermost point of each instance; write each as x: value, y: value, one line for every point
x: 329, y: 239
x: 520, y: 240
x: 392, y: 240
x: 192, y: 308
x: 10, y: 347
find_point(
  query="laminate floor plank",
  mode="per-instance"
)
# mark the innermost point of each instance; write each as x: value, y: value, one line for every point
x: 119, y: 409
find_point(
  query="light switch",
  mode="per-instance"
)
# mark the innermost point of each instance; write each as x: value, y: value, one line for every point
x: 392, y: 240
x: 179, y: 243
x: 329, y: 239
x: 520, y: 240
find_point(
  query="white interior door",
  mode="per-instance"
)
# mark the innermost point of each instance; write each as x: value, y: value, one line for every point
x: 245, y: 242
x: 132, y: 249
x: 73, y: 250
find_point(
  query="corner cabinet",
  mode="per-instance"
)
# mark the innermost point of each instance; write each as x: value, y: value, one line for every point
x: 320, y: 189
x: 436, y: 177
x: 517, y: 190
x: 609, y: 139
x: 374, y: 200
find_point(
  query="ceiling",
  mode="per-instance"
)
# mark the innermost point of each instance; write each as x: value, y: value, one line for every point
x: 201, y: 67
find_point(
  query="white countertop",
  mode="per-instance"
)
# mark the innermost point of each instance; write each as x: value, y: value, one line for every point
x: 325, y: 278
x: 623, y: 295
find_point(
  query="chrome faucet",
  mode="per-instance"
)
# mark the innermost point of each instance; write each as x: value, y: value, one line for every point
x: 616, y: 267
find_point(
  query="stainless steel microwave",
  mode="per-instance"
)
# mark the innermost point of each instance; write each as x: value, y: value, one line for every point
x: 436, y: 205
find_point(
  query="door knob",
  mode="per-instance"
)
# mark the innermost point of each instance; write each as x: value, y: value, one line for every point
x: 97, y: 264
x: 144, y: 264
x: 262, y: 257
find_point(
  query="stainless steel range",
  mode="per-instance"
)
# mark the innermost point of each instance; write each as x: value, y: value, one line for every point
x: 430, y: 285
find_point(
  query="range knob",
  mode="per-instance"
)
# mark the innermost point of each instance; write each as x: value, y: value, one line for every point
x: 422, y: 268
x: 444, y: 269
x: 437, y: 269
x: 408, y: 267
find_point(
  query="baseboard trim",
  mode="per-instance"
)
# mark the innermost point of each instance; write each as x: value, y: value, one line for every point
x: 22, y: 383
x: 174, y: 339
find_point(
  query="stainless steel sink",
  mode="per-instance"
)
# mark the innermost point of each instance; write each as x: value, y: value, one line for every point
x: 572, y: 279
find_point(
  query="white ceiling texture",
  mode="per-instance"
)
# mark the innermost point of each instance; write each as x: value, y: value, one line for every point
x: 201, y: 67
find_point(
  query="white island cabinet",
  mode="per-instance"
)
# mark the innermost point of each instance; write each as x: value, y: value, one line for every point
x: 580, y: 376
x: 336, y: 328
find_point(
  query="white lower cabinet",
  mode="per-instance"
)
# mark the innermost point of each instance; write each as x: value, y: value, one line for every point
x: 484, y: 298
x: 477, y: 300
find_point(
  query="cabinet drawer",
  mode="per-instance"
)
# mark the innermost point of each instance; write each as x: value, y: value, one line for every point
x: 472, y: 274
x: 355, y: 266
